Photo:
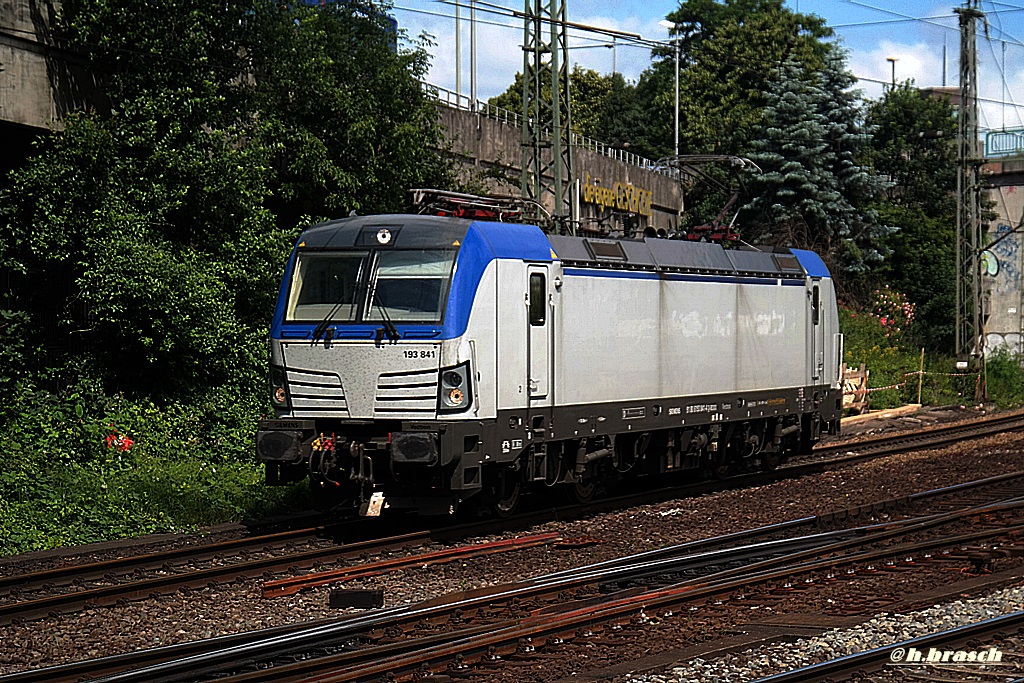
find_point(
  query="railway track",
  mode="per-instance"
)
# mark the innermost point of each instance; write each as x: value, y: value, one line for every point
x: 167, y: 572
x: 541, y: 630
x: 857, y: 666
x: 558, y: 605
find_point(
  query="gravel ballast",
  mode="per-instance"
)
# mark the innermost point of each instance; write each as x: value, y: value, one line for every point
x: 881, y: 631
x: 238, y: 607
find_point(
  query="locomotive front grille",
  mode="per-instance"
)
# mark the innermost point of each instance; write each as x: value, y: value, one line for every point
x: 317, y: 393
x: 406, y: 393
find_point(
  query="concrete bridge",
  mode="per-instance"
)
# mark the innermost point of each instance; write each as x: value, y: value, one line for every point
x: 39, y: 81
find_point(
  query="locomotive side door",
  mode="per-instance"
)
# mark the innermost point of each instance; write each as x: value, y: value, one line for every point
x: 817, y: 333
x: 538, y: 335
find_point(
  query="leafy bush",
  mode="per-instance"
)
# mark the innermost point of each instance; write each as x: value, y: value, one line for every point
x: 13, y: 351
x: 65, y: 477
x: 892, y: 361
x: 1005, y: 378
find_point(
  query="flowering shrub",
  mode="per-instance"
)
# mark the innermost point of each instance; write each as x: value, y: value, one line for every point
x: 893, y: 311
x: 119, y: 442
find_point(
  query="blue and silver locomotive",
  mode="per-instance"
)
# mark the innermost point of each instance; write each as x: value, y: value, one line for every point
x: 423, y: 362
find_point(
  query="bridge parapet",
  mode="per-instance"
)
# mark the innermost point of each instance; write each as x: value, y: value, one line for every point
x: 612, y: 187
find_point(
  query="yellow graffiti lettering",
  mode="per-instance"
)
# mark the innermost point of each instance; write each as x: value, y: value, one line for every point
x: 621, y: 196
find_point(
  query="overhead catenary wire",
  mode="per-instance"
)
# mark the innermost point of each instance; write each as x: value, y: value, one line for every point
x: 648, y: 43
x: 1001, y: 65
x: 908, y: 19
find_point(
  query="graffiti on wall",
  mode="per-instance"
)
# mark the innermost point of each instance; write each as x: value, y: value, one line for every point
x: 1011, y: 341
x: 1007, y: 250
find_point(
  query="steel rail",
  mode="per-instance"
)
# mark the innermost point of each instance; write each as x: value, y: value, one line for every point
x: 879, y: 657
x: 106, y: 665
x: 109, y: 595
x: 926, y: 437
x: 92, y: 571
x: 29, y: 609
x: 539, y: 626
x: 692, y: 589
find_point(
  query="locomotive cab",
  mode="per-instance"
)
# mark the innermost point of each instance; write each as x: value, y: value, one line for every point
x: 377, y: 350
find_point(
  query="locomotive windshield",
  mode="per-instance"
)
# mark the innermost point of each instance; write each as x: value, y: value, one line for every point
x: 357, y: 286
x: 410, y: 285
x: 326, y: 282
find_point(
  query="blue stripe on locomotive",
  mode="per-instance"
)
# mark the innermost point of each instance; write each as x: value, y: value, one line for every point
x: 811, y: 263
x: 484, y: 242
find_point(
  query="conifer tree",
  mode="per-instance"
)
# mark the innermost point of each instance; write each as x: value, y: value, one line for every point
x: 811, y: 193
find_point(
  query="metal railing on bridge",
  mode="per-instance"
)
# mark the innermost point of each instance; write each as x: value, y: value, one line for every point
x: 459, y: 101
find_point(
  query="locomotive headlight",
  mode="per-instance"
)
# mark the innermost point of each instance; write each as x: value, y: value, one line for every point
x: 454, y: 390
x: 278, y: 387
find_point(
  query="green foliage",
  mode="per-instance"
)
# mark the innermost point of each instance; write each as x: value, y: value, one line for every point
x: 725, y: 83
x: 922, y: 263
x: 894, y: 360
x: 350, y: 122
x: 913, y: 142
x: 145, y: 243
x: 605, y: 108
x: 812, y: 194
x: 698, y: 22
x: 1004, y: 377
x: 188, y: 465
x: 174, y: 213
x: 13, y: 351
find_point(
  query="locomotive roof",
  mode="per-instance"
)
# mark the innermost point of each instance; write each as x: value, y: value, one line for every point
x: 683, y: 256
x: 651, y: 254
x: 409, y: 231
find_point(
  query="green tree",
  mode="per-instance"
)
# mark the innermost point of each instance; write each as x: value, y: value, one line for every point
x: 728, y: 51
x: 700, y: 21
x: 812, y: 194
x: 604, y: 107
x: 172, y: 213
x: 351, y: 123
x: 913, y: 142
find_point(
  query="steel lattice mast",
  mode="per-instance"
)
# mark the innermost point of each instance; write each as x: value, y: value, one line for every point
x: 969, y: 337
x: 547, y: 149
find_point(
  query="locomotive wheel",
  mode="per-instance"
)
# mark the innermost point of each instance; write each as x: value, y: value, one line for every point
x: 581, y: 491
x: 504, y: 492
x: 770, y: 461
x: 723, y: 467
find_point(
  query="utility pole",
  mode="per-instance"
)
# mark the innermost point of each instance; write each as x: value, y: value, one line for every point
x: 546, y: 139
x: 472, y: 55
x: 970, y: 341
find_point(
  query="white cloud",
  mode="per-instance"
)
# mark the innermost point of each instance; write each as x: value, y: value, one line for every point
x: 919, y: 62
x: 922, y: 61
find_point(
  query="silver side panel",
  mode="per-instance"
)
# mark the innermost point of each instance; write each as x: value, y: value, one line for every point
x: 479, y: 345
x: 512, y: 328
x: 620, y: 339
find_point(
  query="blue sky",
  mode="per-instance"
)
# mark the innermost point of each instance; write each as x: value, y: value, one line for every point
x: 912, y: 32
